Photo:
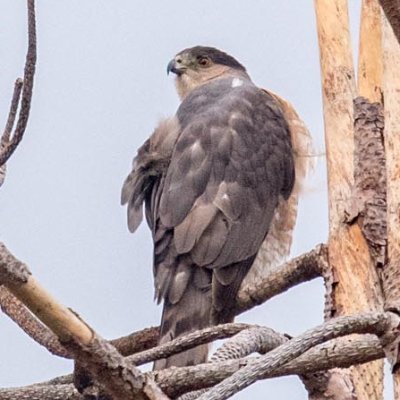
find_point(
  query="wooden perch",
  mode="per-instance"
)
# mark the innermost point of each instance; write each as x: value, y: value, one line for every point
x: 255, y: 369
x: 120, y: 379
x: 300, y: 269
x: 175, y: 381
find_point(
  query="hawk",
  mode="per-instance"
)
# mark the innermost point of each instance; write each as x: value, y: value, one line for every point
x: 214, y: 179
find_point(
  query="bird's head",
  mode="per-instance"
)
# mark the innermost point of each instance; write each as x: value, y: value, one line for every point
x: 198, y: 65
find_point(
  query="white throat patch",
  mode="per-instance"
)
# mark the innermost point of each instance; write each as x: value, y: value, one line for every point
x: 236, y: 82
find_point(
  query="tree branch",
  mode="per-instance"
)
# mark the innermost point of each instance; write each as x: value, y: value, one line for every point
x: 10, y: 143
x: 16, y: 310
x: 13, y: 111
x: 332, y: 354
x: 186, y: 342
x: 120, y: 379
x: 367, y: 323
x: 339, y: 353
x: 298, y: 270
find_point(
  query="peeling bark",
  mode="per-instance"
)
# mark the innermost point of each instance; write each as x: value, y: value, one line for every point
x: 368, y: 203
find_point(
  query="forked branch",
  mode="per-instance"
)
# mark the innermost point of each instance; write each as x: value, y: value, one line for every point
x: 9, y: 142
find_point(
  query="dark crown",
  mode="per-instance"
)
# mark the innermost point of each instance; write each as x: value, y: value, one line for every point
x: 215, y: 55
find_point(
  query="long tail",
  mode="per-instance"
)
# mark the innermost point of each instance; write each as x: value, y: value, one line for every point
x: 190, y: 313
x: 207, y: 299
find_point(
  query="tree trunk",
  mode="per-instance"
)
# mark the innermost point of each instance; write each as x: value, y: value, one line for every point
x: 356, y: 285
x: 391, y: 273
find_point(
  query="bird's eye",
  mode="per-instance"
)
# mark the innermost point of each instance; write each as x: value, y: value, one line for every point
x: 204, y: 61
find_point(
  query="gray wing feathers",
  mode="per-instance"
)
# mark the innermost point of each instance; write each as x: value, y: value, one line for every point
x: 224, y: 182
x: 210, y: 189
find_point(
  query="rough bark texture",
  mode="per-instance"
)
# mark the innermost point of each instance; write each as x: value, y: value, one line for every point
x: 137, y: 341
x: 176, y: 381
x: 186, y: 342
x: 355, y: 281
x: 113, y: 372
x: 285, y: 353
x: 368, y: 203
x: 16, y: 310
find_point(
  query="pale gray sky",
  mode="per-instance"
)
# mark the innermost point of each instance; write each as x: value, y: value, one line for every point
x: 101, y: 87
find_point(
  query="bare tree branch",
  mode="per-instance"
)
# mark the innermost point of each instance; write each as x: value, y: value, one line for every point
x: 188, y: 341
x: 16, y: 310
x: 334, y: 353
x: 367, y: 323
x: 13, y: 111
x: 301, y: 269
x: 137, y: 341
x: 37, y: 392
x: 10, y: 143
x: 120, y: 378
x: 340, y: 353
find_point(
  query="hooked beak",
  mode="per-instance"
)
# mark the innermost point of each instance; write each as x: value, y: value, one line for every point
x: 173, y: 67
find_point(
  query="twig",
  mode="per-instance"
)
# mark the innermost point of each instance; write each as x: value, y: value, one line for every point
x: 186, y: 342
x: 13, y: 111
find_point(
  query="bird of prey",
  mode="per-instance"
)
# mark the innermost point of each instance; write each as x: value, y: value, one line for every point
x: 214, y: 179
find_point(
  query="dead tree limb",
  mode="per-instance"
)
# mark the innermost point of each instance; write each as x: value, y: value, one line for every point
x: 16, y: 310
x: 301, y: 269
x: 372, y: 323
x: 186, y: 342
x: 298, y: 270
x: 176, y: 381
x: 119, y: 378
x: 10, y: 142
